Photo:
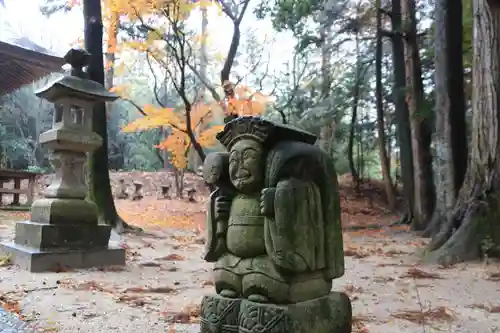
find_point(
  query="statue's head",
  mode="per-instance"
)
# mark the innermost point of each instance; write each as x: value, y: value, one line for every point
x: 246, y: 165
x: 248, y: 140
x: 244, y: 138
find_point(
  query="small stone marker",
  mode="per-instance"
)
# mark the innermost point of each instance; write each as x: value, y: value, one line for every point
x: 273, y: 233
x: 63, y: 229
x: 137, y: 194
x: 190, y: 193
x: 165, y: 191
x: 122, y: 189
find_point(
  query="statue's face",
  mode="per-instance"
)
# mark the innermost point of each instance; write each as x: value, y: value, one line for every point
x: 245, y: 165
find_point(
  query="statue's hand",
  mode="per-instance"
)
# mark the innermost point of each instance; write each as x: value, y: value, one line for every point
x: 222, y: 207
x: 267, y: 201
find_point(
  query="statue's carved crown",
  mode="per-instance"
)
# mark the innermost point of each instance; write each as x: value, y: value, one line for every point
x: 261, y: 130
x: 251, y: 127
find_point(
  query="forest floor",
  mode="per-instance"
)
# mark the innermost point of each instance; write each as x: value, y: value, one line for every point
x: 161, y: 286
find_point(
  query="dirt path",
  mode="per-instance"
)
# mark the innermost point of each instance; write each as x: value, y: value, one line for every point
x: 165, y: 278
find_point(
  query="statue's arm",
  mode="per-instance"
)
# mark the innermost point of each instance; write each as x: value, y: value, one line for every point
x: 215, y: 230
x: 286, y: 230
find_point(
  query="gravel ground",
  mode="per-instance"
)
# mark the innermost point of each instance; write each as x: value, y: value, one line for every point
x: 390, y: 292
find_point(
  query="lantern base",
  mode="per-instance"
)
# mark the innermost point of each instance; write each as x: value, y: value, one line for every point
x: 54, y: 260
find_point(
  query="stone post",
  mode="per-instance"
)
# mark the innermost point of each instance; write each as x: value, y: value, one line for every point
x: 63, y: 229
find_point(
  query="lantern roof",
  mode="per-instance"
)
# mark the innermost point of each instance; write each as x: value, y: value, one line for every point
x: 77, y: 85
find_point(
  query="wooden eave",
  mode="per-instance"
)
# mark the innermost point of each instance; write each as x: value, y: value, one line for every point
x: 20, y: 66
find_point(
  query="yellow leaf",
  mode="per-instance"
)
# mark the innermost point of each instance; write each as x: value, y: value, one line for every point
x: 177, y: 143
x: 154, y: 118
x: 136, y: 45
x: 154, y: 36
x: 200, y: 114
x: 122, y: 90
x: 120, y: 69
x: 220, y: 56
x: 207, y: 138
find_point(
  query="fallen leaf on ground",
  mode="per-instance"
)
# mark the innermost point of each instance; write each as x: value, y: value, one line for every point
x: 172, y: 257
x: 352, y: 289
x: 383, y: 279
x: 149, y: 264
x: 207, y: 283
x: 440, y: 313
x: 158, y: 290
x: 88, y: 285
x: 395, y: 252
x: 357, y: 253
x: 489, y: 308
x: 132, y: 300
x: 11, y: 306
x: 190, y: 314
x: 131, y: 255
x: 358, y: 324
x: 492, y: 276
x: 182, y: 239
x: 417, y: 273
x: 5, y: 261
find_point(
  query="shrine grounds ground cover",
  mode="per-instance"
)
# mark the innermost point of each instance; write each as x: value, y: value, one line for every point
x: 161, y: 287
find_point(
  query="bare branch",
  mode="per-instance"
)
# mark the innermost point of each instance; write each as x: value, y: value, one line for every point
x: 155, y: 86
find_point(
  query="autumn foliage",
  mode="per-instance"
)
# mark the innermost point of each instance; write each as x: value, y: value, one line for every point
x: 180, y: 134
x: 246, y: 102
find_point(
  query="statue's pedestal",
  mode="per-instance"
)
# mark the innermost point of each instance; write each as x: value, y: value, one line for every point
x: 62, y: 233
x: 328, y: 314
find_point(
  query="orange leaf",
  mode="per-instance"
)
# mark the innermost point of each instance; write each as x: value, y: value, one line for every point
x: 207, y: 137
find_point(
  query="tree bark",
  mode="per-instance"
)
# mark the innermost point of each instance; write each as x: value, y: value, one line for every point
x: 384, y: 157
x: 474, y: 229
x: 326, y: 131
x: 193, y: 157
x: 451, y: 138
x: 420, y: 124
x: 403, y: 132
x: 100, y: 187
x: 355, y: 172
x: 115, y: 157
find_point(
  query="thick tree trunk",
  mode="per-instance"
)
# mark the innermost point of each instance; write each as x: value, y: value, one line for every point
x: 402, y: 117
x: 451, y: 140
x: 420, y: 120
x: 474, y: 228
x: 100, y: 187
x: 384, y: 157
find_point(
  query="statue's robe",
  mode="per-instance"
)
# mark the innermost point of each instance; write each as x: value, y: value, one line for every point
x: 305, y: 233
x: 303, y: 238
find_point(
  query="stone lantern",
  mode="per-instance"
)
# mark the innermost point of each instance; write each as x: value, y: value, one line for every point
x: 63, y: 229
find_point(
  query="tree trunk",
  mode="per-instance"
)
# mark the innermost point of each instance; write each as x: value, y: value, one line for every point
x: 384, y: 157
x: 326, y: 131
x: 115, y: 158
x: 354, y: 119
x: 100, y: 187
x: 451, y: 140
x: 402, y: 117
x: 420, y: 124
x: 474, y: 228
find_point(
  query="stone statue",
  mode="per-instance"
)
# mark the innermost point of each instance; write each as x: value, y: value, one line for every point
x: 273, y: 221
